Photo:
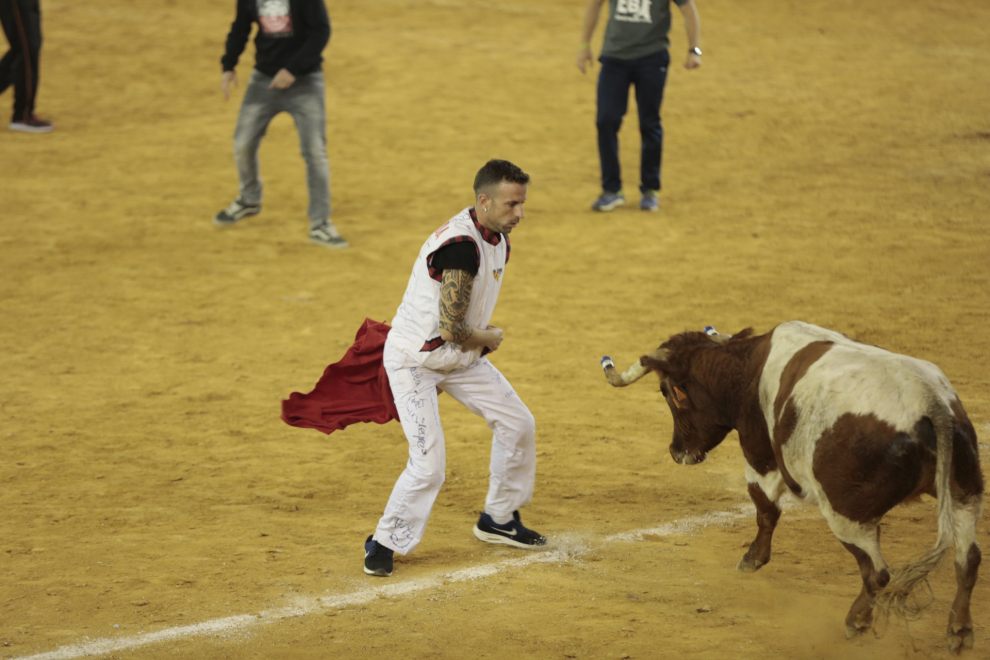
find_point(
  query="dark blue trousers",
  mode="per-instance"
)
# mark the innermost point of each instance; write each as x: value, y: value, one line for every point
x: 648, y: 75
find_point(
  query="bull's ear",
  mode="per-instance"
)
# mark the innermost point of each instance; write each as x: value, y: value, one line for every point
x: 680, y: 398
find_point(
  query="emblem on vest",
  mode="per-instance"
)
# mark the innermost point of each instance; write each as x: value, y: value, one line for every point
x: 633, y: 11
x: 497, y: 274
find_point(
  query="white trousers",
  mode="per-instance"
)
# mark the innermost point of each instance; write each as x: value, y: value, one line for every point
x: 486, y: 393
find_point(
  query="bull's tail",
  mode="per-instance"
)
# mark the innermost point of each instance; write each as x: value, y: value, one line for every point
x: 895, y: 598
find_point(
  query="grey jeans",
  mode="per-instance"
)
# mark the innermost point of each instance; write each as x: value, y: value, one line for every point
x: 304, y: 100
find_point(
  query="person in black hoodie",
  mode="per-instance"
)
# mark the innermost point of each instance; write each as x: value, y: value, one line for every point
x: 287, y: 77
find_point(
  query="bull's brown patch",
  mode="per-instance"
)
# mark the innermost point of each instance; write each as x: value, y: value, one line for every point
x: 782, y: 431
x: 754, y: 436
x: 866, y: 466
x: 795, y: 370
x: 785, y: 413
x: 965, y: 452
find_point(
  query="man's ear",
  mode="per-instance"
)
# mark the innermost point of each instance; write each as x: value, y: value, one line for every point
x: 484, y: 201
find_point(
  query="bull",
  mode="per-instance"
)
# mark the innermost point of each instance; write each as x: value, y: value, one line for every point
x: 850, y: 427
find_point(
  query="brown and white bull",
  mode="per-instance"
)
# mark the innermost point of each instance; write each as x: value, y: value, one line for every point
x: 850, y: 427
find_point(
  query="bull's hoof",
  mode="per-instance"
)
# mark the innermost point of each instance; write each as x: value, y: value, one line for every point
x: 855, y: 631
x: 960, y: 639
x: 749, y: 565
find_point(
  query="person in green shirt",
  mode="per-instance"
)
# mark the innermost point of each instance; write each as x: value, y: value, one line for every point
x: 635, y: 52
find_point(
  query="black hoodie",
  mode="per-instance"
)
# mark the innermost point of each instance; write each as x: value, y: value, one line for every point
x: 291, y: 35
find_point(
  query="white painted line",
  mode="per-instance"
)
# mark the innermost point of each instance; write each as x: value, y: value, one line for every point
x: 565, y: 549
x: 686, y: 525
x: 307, y: 605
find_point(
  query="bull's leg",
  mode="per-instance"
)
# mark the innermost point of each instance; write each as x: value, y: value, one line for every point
x: 863, y: 541
x: 968, y: 557
x: 765, y: 491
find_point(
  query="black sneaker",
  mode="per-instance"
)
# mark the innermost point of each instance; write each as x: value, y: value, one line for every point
x: 235, y: 212
x: 511, y: 533
x: 377, y: 558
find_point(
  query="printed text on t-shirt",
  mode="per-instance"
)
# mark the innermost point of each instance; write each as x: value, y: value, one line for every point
x: 633, y: 11
x: 274, y: 18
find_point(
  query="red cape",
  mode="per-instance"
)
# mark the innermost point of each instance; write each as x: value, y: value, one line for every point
x: 353, y: 390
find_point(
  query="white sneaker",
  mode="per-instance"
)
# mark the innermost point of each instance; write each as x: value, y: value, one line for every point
x: 328, y: 236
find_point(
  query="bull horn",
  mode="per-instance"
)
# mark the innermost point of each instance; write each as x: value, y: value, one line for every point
x: 715, y: 336
x: 636, y: 371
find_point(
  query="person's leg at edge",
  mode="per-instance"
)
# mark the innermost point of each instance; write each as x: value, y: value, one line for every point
x: 22, y: 27
x: 613, y: 99
x: 259, y: 106
x: 307, y: 107
x: 32, y: 21
x: 650, y: 77
x: 403, y: 524
x: 9, y: 62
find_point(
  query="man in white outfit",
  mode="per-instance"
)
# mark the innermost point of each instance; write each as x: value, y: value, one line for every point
x: 439, y: 341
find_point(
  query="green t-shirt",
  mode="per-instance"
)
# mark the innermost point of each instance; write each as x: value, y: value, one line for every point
x: 637, y: 28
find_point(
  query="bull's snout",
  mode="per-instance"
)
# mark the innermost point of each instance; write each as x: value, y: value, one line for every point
x: 682, y: 457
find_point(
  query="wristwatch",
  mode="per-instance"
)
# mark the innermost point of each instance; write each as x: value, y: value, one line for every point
x: 695, y: 50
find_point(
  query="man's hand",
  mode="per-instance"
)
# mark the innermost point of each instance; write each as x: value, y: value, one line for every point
x: 585, y: 59
x: 693, y: 61
x: 592, y: 11
x: 226, y: 80
x: 493, y: 337
x: 282, y: 80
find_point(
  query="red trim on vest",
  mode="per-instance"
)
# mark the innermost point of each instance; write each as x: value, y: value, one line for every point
x: 491, y: 237
x: 438, y: 274
x: 432, y: 345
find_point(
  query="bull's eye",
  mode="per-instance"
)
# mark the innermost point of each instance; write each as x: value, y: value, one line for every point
x: 663, y: 390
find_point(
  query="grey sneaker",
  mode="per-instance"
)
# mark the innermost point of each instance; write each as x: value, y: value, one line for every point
x: 328, y: 236
x: 608, y: 201
x: 235, y: 212
x: 650, y: 201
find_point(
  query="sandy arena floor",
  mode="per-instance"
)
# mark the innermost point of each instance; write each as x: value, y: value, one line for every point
x: 830, y: 163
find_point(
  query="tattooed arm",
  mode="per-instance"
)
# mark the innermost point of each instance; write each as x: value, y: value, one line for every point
x: 455, y: 296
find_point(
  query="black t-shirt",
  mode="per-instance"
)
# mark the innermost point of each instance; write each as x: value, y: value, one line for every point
x: 462, y: 256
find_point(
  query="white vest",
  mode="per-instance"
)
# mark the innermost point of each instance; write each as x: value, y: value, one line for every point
x: 416, y: 326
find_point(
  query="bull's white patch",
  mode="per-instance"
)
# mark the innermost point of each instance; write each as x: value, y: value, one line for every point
x: 849, y: 531
x: 771, y: 483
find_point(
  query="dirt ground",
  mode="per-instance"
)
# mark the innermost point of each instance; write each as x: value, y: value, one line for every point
x: 830, y: 162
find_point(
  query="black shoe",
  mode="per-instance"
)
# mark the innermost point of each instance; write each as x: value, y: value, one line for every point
x: 511, y: 533
x: 377, y: 558
x: 235, y: 212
